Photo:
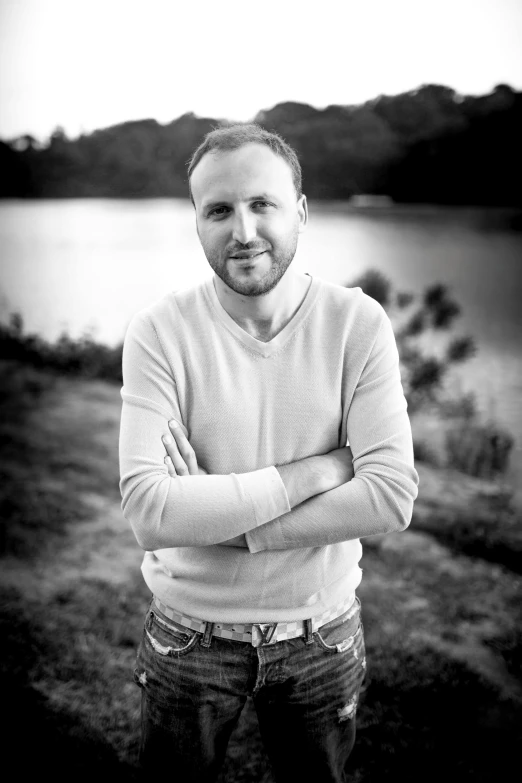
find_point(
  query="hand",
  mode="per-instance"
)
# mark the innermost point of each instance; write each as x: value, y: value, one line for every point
x: 312, y: 476
x: 181, y: 458
x: 337, y: 467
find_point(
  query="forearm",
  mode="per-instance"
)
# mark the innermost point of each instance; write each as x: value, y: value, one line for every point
x: 373, y: 502
x: 306, y: 478
x: 197, y: 510
x: 217, y: 511
x: 200, y: 510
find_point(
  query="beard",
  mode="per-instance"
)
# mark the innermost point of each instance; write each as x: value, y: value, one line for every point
x: 232, y: 276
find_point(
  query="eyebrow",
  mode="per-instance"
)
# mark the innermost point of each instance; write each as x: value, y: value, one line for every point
x: 224, y: 202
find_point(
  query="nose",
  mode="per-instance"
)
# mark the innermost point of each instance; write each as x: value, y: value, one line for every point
x: 244, y: 227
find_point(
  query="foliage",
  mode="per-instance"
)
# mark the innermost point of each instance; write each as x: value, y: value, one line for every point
x: 376, y: 285
x: 426, y: 145
x: 67, y: 356
x: 479, y: 449
x: 483, y: 524
x: 470, y: 446
x: 416, y: 321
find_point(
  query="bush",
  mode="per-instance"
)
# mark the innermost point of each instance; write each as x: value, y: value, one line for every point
x: 415, y: 319
x: 83, y: 356
x: 480, y: 450
x: 425, y: 452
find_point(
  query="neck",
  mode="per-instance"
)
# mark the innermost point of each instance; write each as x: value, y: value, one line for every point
x: 264, y: 316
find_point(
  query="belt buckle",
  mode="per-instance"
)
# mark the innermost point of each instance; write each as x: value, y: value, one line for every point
x: 263, y: 633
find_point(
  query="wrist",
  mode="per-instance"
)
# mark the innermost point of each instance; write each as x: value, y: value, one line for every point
x: 302, y: 479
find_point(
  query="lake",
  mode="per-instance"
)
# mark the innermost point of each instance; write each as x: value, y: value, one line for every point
x: 89, y: 264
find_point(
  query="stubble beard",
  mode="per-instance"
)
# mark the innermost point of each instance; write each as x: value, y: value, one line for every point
x: 280, y: 262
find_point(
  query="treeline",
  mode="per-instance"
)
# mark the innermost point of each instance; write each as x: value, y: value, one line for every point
x: 428, y: 145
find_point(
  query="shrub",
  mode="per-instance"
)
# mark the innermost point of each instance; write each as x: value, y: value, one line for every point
x: 68, y: 356
x: 480, y: 450
x: 425, y: 452
x: 416, y: 318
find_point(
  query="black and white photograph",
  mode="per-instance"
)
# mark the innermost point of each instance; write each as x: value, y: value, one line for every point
x: 261, y: 391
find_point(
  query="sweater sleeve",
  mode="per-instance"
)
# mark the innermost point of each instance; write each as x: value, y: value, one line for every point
x: 379, y: 499
x: 167, y: 511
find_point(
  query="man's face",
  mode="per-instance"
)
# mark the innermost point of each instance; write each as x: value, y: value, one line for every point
x: 248, y: 216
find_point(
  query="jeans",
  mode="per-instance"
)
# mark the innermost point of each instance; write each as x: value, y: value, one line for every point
x: 194, y: 686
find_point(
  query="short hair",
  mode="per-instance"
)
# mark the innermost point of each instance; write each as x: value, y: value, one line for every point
x: 232, y: 137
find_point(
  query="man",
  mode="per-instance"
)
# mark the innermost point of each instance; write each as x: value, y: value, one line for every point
x: 251, y: 508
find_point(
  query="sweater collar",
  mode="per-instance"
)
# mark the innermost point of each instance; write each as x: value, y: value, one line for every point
x: 254, y: 345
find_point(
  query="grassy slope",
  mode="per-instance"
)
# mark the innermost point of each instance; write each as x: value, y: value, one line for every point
x: 441, y: 608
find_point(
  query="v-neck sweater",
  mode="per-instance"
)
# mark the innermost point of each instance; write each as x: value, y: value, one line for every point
x: 329, y: 377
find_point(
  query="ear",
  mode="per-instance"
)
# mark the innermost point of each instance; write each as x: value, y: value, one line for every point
x: 302, y: 211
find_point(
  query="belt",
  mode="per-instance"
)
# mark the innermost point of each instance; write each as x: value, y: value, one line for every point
x: 258, y: 634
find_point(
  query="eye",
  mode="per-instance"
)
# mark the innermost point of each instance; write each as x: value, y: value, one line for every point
x: 261, y: 205
x: 218, y: 212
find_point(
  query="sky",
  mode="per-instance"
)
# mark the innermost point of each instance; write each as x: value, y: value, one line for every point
x: 86, y: 64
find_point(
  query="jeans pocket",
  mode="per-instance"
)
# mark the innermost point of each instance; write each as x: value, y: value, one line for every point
x: 343, y: 633
x: 167, y: 638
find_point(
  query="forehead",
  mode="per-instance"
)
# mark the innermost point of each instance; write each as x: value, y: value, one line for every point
x: 232, y: 175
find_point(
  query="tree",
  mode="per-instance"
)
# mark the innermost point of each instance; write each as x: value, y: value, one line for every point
x: 427, y: 145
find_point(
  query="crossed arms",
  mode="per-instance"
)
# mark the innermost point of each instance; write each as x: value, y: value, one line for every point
x: 314, y: 502
x: 302, y: 479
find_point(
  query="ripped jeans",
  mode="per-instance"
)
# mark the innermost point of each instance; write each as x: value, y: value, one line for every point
x: 305, y: 692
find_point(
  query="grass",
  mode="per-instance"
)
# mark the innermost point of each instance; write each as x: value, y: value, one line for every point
x: 479, y: 519
x: 441, y: 607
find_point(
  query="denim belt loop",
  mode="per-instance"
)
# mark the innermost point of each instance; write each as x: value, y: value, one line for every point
x: 309, y: 637
x: 207, y: 636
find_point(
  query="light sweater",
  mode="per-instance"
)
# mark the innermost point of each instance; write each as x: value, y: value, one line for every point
x: 328, y: 378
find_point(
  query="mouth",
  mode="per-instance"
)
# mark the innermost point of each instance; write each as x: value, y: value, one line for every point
x: 247, y: 256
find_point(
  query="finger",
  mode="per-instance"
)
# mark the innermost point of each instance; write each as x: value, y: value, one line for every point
x: 180, y: 466
x: 170, y: 467
x: 185, y: 450
x: 174, y: 423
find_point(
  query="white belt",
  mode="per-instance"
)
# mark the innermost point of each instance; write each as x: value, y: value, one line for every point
x: 258, y: 634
